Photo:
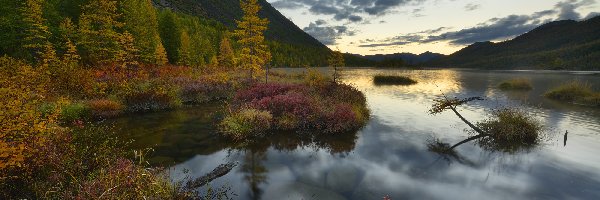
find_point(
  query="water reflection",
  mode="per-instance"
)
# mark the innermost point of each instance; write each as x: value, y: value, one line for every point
x: 390, y: 156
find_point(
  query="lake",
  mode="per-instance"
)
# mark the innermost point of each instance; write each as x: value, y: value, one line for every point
x: 389, y: 156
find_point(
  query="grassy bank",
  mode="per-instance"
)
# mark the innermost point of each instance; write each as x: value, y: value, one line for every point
x: 575, y: 92
x: 393, y: 80
x: 516, y: 84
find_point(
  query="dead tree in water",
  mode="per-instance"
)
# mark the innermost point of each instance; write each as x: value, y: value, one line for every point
x: 220, y: 171
x: 444, y: 104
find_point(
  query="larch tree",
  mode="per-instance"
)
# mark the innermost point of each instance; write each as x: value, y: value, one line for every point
x: 250, y: 30
x: 336, y: 60
x: 98, y: 36
x: 226, y: 56
x: 184, y: 51
x: 36, y: 33
x: 141, y: 21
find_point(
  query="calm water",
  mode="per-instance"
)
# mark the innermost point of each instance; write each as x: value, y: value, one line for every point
x: 390, y: 156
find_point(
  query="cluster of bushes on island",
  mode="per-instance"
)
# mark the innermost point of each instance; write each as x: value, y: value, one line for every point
x: 516, y: 84
x: 327, y: 108
x: 576, y: 92
x: 393, y: 80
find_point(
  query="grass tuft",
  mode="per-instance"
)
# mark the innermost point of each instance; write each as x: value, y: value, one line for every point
x: 516, y: 84
x: 393, y: 80
x: 510, y: 129
x: 577, y: 92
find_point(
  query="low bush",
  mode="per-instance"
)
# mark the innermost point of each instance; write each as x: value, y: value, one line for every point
x: 510, y: 129
x: 516, y: 84
x: 246, y: 123
x: 577, y: 92
x: 393, y: 80
x: 149, y: 96
x: 201, y: 91
x: 74, y: 111
x: 327, y: 108
x: 105, y: 108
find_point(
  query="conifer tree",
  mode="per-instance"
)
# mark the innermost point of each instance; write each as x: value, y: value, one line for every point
x: 98, y: 34
x: 226, y: 56
x: 255, y: 53
x: 36, y: 33
x: 336, y: 60
x: 160, y: 55
x: 141, y: 21
x: 184, y: 51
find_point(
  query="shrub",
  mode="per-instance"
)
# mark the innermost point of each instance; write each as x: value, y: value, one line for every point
x: 74, y: 111
x: 393, y: 80
x: 246, y: 123
x: 315, y: 78
x: 516, y: 84
x: 510, y: 129
x: 105, y: 108
x: 570, y: 91
x: 341, y: 119
x: 201, y: 91
x: 150, y: 95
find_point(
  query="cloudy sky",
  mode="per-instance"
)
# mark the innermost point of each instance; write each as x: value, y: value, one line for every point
x: 416, y: 26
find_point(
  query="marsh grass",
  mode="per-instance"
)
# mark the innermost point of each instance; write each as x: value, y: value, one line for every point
x: 576, y: 92
x: 516, y: 84
x: 393, y: 80
x: 510, y: 130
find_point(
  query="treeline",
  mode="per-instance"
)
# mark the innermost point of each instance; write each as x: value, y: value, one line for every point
x: 108, y: 32
x: 357, y: 61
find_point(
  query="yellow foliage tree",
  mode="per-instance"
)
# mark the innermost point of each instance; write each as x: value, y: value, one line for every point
x: 36, y: 33
x: 336, y: 60
x: 226, y: 56
x: 255, y: 53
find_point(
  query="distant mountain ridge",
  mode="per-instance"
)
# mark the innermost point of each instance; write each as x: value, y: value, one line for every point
x: 563, y: 44
x: 408, y: 58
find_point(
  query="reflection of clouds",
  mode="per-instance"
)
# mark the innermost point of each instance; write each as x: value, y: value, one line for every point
x: 390, y: 156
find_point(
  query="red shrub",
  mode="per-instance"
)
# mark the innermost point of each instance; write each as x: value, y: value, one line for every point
x: 341, y: 119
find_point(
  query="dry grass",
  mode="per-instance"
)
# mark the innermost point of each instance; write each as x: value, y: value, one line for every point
x: 516, y: 84
x: 577, y: 92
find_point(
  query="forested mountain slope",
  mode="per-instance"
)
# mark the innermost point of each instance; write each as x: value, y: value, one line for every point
x: 290, y: 45
x: 563, y: 44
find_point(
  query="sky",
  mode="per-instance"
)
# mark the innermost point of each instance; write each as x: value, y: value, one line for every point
x: 442, y: 26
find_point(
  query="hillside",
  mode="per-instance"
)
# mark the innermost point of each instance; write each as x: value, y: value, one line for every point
x: 563, y: 44
x: 290, y: 45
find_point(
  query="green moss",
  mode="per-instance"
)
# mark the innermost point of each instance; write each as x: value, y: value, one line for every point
x: 516, y: 84
x: 393, y: 80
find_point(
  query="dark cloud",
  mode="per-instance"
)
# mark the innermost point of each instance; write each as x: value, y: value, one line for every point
x: 345, y: 9
x: 472, y: 7
x: 287, y: 5
x: 327, y: 34
x: 494, y: 29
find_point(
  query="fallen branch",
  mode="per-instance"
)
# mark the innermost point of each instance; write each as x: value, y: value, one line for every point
x: 218, y: 172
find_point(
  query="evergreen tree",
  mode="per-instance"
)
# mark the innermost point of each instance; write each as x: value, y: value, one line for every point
x: 141, y: 21
x: 36, y: 33
x: 255, y: 53
x: 226, y: 56
x: 170, y: 33
x: 98, y: 36
x: 184, y: 51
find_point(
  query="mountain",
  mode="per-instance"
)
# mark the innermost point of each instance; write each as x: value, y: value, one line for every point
x: 408, y: 58
x: 563, y: 44
x: 290, y: 44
